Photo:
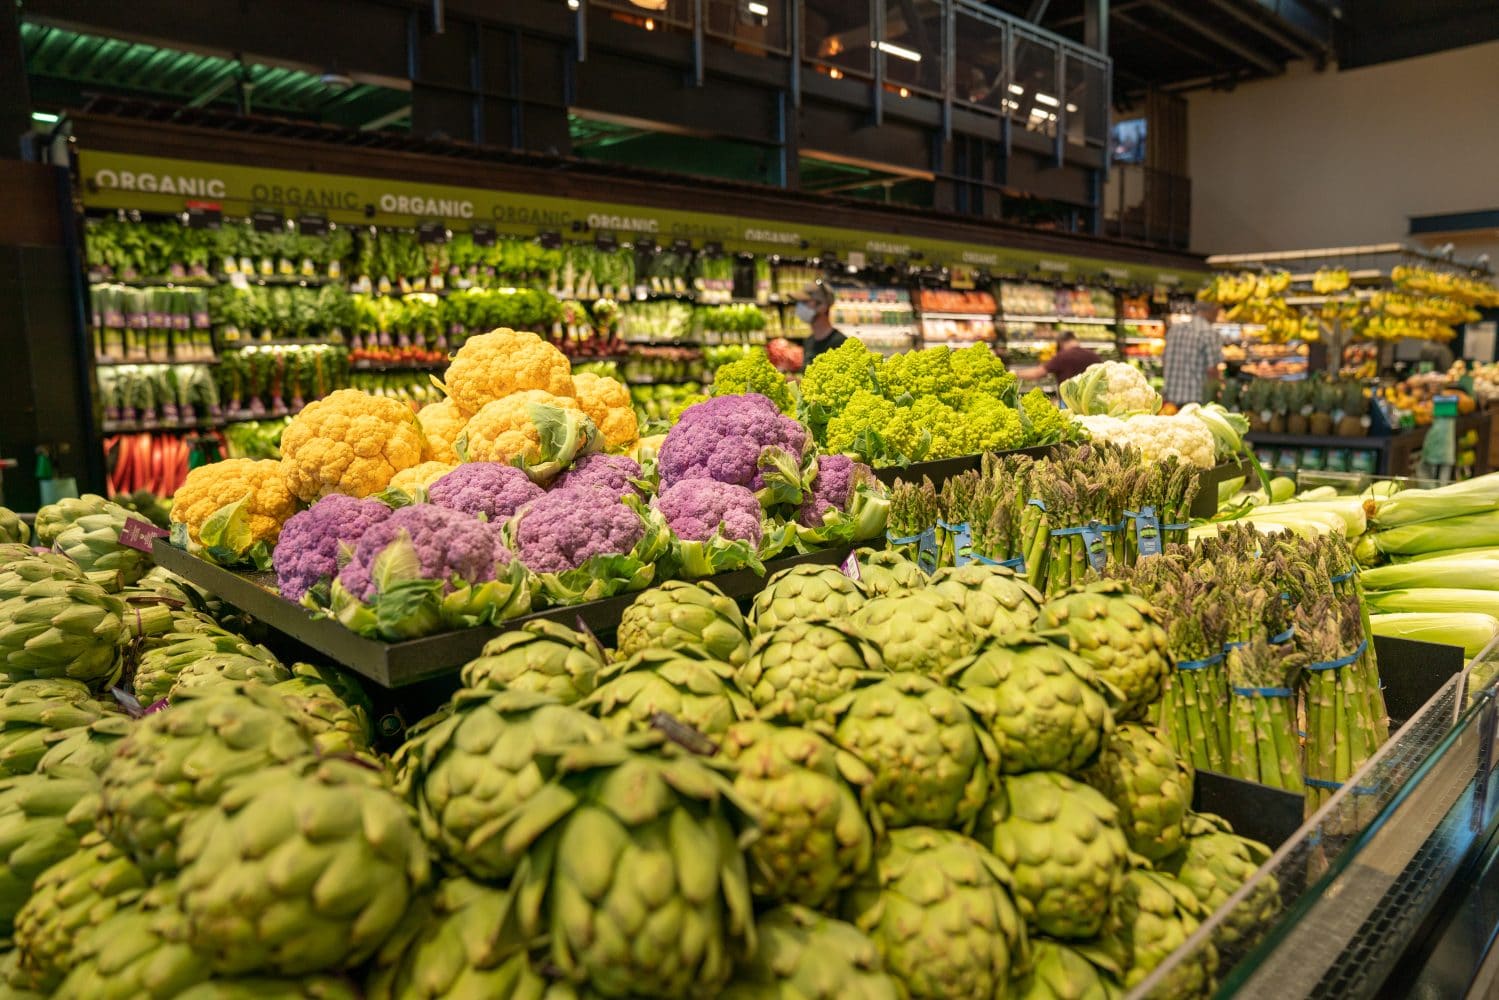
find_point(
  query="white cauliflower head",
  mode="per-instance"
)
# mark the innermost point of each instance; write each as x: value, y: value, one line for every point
x: 1111, y: 387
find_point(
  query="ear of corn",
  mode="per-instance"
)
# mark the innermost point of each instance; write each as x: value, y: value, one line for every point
x: 1471, y: 496
x: 1468, y: 629
x: 1440, y: 599
x: 1462, y: 574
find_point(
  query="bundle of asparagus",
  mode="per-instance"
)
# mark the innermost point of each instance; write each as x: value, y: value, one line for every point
x: 1263, y: 745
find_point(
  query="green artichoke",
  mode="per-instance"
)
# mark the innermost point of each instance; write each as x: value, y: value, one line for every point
x: 299, y: 868
x: 1045, y: 708
x: 1120, y: 634
x: 805, y: 593
x: 32, y: 715
x: 994, y: 599
x: 1153, y: 915
x: 331, y: 706
x: 227, y: 668
x: 42, y: 819
x: 917, y: 630
x: 635, y: 871
x: 1061, y: 840
x: 1149, y: 784
x: 13, y: 530
x: 53, y: 518
x: 33, y: 567
x: 806, y: 955
x: 886, y: 571
x: 939, y: 910
x: 194, y: 638
x: 139, y: 952
x: 932, y: 761
x: 1059, y: 973
x: 539, y: 656
x: 89, y: 747
x: 63, y: 628
x: 77, y: 893
x: 176, y: 762
x: 796, y: 670
x: 678, y: 614
x: 1214, y: 864
x: 450, y: 946
x: 93, y: 542
x: 493, y: 753
x: 684, y: 683
x: 814, y: 837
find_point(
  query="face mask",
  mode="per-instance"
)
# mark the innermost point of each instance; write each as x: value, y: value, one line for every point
x: 805, y: 311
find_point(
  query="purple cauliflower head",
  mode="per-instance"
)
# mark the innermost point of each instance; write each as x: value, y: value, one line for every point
x: 493, y: 489
x: 565, y: 528
x: 722, y: 438
x: 613, y: 472
x: 696, y: 508
x: 833, y: 487
x: 307, y: 551
x: 448, y: 544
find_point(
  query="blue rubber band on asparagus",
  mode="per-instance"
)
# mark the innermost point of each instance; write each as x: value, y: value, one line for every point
x: 1263, y: 692
x: 907, y: 540
x: 1206, y: 661
x: 1037, y: 503
x: 1285, y: 636
x: 1348, y: 575
x: 1341, y: 661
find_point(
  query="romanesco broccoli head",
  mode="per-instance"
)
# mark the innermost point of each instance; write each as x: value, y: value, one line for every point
x: 991, y: 425
x: 1045, y: 423
x: 977, y: 369
x: 833, y: 377
x: 753, y: 373
x: 927, y: 372
x: 849, y: 429
x: 928, y: 429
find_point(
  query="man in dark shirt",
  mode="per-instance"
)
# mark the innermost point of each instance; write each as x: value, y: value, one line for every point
x: 812, y: 307
x: 1071, y: 358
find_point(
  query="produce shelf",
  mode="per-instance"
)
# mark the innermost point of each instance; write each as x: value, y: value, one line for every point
x: 399, y: 664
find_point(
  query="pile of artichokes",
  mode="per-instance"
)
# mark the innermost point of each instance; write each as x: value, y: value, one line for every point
x: 905, y: 789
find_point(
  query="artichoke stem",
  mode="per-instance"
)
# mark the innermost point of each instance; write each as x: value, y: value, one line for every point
x: 149, y: 619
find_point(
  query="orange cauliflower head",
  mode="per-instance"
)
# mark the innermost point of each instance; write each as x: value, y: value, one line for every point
x: 441, y: 423
x: 607, y: 403
x: 503, y: 431
x: 348, y: 442
x: 493, y: 365
x: 421, y: 475
x: 210, y: 488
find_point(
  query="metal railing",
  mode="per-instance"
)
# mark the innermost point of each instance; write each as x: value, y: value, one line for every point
x: 1152, y: 206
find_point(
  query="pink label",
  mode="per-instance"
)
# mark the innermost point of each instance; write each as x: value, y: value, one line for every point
x: 139, y: 535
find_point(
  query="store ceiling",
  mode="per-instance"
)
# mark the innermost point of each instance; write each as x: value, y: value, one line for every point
x: 67, y: 68
x: 1183, y: 46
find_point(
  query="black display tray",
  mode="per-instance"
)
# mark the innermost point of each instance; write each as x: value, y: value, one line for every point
x: 1205, y: 504
x: 398, y: 664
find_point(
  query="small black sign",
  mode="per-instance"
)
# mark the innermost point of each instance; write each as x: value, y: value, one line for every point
x: 484, y: 236
x: 681, y: 246
x: 264, y: 220
x: 550, y: 239
x: 645, y: 244
x: 431, y: 232
x: 829, y: 256
x: 605, y: 242
x: 203, y: 215
x: 713, y: 249
x: 312, y: 225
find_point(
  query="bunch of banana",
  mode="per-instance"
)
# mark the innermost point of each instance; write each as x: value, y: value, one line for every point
x: 1330, y: 280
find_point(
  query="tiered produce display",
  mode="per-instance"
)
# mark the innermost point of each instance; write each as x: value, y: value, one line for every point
x: 814, y: 790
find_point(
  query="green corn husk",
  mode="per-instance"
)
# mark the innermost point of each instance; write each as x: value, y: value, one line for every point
x: 1468, y: 629
x: 1465, y: 531
x: 1446, y: 599
x: 1460, y: 574
x: 1442, y: 555
x: 1471, y: 496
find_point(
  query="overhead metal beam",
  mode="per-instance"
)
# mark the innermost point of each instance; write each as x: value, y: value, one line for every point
x: 374, y: 124
x: 1217, y: 37
x: 1160, y: 37
x: 1259, y: 24
x: 217, y: 88
x: 1037, y: 11
x: 1071, y: 19
x: 1096, y: 25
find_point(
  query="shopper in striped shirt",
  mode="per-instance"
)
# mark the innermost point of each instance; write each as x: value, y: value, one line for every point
x: 1193, y: 353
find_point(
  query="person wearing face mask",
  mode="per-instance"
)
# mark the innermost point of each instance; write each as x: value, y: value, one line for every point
x: 812, y: 308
